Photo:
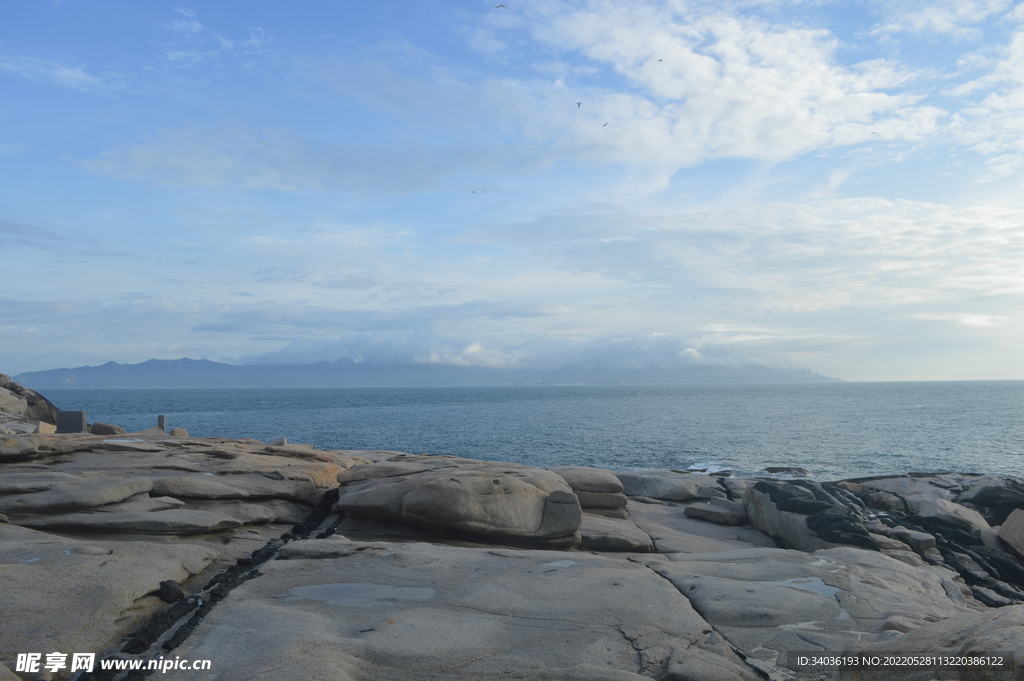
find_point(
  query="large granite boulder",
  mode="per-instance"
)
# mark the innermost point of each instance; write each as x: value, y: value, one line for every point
x: 173, y: 487
x: 945, y: 495
x: 995, y: 497
x: 100, y: 428
x: 55, y: 492
x: 596, y: 488
x: 1011, y: 532
x: 498, y: 501
x: 804, y: 515
x: 21, y: 401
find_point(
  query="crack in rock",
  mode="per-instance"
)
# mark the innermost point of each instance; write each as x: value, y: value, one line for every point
x: 201, y: 603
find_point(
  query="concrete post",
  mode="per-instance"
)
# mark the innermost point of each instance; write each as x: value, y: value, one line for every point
x: 71, y: 422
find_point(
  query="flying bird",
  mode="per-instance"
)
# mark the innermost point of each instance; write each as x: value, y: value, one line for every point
x: 578, y: 104
x: 497, y: 6
x: 874, y: 133
x: 605, y: 125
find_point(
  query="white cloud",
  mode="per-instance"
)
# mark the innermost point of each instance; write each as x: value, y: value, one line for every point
x: 63, y: 71
x: 198, y: 44
x: 662, y: 88
x: 702, y: 85
x: 775, y: 258
x: 273, y: 160
x: 948, y: 18
x: 545, y: 352
x: 961, y: 318
x: 994, y: 126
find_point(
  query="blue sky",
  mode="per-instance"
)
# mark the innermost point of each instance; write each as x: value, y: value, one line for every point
x: 824, y: 185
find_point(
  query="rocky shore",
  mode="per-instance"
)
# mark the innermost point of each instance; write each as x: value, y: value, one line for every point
x: 289, y: 562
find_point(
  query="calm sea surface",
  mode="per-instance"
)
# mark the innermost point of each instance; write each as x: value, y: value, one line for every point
x: 835, y: 430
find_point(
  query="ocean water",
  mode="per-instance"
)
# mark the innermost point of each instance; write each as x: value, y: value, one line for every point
x: 834, y: 430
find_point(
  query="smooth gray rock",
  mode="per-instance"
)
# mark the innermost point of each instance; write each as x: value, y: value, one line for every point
x: 768, y: 602
x: 99, y: 428
x: 993, y: 490
x: 601, y: 499
x: 586, y: 479
x: 948, y: 510
x: 736, y: 486
x: 598, y: 533
x: 504, y: 502
x: 62, y: 594
x: 703, y: 665
x: 1012, y: 532
x: 197, y: 487
x: 142, y: 503
x: 594, y: 487
x: 418, y: 611
x: 886, y: 501
x: 19, y: 400
x: 999, y: 630
x: 675, y: 532
x: 789, y: 526
x: 54, y: 492
x: 174, y: 521
x: 720, y: 511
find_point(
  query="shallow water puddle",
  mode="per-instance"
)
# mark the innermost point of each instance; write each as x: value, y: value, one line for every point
x: 814, y: 584
x: 358, y: 595
x: 559, y: 564
x: 547, y: 568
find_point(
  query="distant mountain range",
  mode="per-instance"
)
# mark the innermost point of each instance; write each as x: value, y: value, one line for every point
x: 191, y: 373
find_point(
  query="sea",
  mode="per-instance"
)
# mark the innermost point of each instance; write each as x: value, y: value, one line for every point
x: 833, y: 430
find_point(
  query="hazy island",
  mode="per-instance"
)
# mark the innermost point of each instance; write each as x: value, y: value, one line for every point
x: 282, y: 561
x: 202, y: 373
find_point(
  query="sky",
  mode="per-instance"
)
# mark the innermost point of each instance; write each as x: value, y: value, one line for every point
x: 834, y: 186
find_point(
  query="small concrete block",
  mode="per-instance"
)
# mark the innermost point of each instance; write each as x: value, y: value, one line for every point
x: 279, y: 442
x: 161, y: 422
x: 71, y: 422
x: 178, y: 432
x: 44, y: 428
